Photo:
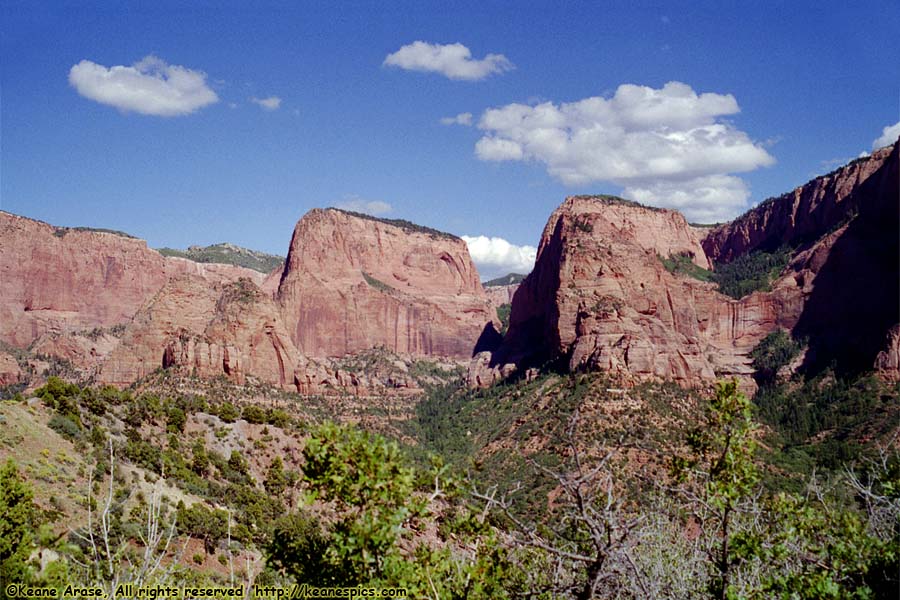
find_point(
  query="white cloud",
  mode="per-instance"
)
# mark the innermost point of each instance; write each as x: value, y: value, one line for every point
x: 149, y: 87
x: 708, y: 199
x: 492, y: 148
x: 355, y: 203
x: 460, y: 119
x: 450, y: 60
x: 889, y: 135
x: 270, y: 103
x: 670, y: 146
x: 495, y: 256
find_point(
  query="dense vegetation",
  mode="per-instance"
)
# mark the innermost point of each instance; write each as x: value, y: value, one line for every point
x: 503, y: 312
x: 818, y: 422
x: 228, y: 254
x: 358, y: 512
x: 748, y: 273
x: 683, y: 264
x: 751, y: 272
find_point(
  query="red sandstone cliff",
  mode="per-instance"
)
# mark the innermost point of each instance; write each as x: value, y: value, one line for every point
x: 599, y: 297
x: 499, y: 295
x: 231, y: 329
x: 845, y: 229
x: 55, y: 280
x: 352, y: 283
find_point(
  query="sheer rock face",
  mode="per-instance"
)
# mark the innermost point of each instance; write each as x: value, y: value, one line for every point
x: 231, y: 329
x: 58, y: 280
x: 599, y: 297
x: 352, y: 283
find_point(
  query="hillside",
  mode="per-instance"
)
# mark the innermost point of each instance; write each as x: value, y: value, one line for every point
x: 228, y: 254
x: 508, y: 279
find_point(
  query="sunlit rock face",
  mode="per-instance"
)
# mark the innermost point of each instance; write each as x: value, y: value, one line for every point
x: 352, y: 283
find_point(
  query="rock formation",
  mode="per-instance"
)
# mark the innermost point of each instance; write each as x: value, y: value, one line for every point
x: 499, y: 295
x: 809, y: 211
x: 599, y: 297
x: 58, y: 280
x: 230, y: 329
x: 353, y: 282
x: 9, y: 369
x: 844, y: 226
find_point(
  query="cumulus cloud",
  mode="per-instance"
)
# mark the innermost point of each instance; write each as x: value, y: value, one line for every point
x: 149, y: 87
x: 460, y: 119
x: 889, y: 135
x: 495, y: 256
x: 453, y: 61
x: 270, y: 103
x: 361, y: 205
x: 668, y: 147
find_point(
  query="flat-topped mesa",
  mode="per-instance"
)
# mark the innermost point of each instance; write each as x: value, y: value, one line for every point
x: 600, y: 298
x: 808, y: 212
x: 353, y: 282
x: 57, y: 279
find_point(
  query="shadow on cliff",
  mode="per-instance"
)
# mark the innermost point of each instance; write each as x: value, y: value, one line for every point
x: 856, y: 297
x: 533, y: 336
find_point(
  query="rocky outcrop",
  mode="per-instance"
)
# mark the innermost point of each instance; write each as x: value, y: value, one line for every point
x: 352, y: 283
x: 59, y: 280
x: 211, y: 329
x: 85, y: 351
x: 10, y: 372
x: 324, y: 376
x: 599, y: 297
x: 887, y: 363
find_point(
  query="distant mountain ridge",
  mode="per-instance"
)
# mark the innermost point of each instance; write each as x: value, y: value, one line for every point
x: 508, y: 279
x: 228, y: 254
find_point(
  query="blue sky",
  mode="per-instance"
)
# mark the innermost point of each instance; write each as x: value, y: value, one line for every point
x: 245, y: 117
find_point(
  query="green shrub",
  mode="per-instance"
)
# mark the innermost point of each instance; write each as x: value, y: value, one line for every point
x: 683, y: 264
x: 228, y: 412
x: 19, y: 519
x: 278, y: 418
x: 503, y: 312
x: 775, y: 351
x: 65, y: 426
x: 175, y: 420
x: 254, y: 414
x: 377, y: 284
